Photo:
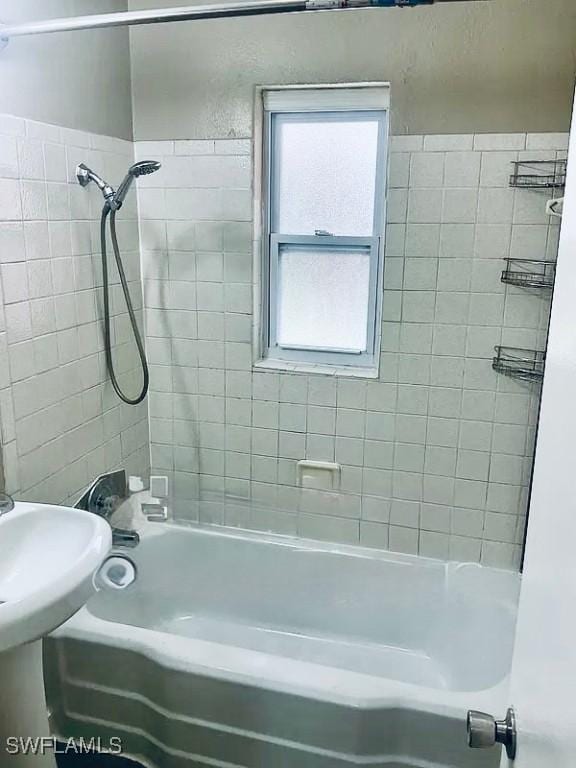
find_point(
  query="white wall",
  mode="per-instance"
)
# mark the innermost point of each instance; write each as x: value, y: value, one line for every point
x: 494, y: 66
x: 73, y: 79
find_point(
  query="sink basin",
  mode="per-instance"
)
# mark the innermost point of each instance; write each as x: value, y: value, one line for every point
x: 48, y: 556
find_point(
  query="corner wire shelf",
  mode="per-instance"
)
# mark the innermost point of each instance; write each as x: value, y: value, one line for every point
x: 524, y: 364
x: 529, y: 273
x: 539, y: 174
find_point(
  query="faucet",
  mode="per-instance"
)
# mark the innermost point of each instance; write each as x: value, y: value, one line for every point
x: 125, y: 538
x: 102, y: 498
x: 6, y: 503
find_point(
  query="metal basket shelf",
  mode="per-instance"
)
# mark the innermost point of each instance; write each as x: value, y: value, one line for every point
x: 529, y: 273
x: 539, y: 174
x: 525, y: 364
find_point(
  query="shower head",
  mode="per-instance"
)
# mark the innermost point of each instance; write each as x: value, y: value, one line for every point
x: 114, y: 199
x: 143, y: 168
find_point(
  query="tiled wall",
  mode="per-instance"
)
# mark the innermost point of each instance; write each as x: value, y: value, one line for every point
x: 436, y: 454
x: 61, y: 423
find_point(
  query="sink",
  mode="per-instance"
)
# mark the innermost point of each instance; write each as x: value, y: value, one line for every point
x: 48, y: 556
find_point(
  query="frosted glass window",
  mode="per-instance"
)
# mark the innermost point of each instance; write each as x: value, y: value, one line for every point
x: 325, y: 173
x: 323, y: 297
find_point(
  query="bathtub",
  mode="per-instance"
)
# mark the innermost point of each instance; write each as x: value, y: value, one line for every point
x: 236, y: 649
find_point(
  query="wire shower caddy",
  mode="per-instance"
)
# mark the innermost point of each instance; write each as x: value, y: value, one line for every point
x: 529, y: 273
x: 518, y: 363
x: 539, y: 174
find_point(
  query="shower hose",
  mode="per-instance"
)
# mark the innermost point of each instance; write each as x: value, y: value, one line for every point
x: 107, y: 212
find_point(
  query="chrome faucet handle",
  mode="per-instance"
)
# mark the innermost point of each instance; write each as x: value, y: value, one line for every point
x: 6, y: 504
x: 485, y: 731
x: 105, y: 494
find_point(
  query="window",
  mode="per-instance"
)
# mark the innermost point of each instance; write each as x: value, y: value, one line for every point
x: 324, y: 169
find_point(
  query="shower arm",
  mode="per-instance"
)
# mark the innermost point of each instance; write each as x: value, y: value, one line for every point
x: 195, y: 12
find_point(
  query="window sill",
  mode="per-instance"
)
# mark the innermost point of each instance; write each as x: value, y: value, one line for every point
x: 270, y: 364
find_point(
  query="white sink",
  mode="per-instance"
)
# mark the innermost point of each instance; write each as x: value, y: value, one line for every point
x: 48, y: 556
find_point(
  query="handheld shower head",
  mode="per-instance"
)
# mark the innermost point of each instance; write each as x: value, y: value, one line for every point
x: 114, y: 199
x: 112, y: 202
x: 143, y: 168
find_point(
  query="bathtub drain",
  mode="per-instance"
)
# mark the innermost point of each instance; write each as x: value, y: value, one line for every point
x: 116, y: 572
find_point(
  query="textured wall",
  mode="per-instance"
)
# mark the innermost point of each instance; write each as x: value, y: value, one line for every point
x: 73, y: 79
x: 494, y: 66
x: 436, y: 455
x: 62, y: 425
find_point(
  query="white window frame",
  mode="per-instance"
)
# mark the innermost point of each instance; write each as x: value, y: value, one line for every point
x: 330, y: 101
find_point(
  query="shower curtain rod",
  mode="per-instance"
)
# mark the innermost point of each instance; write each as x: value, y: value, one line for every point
x: 194, y: 12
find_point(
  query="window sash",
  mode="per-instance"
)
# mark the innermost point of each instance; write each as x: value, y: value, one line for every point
x: 276, y: 118
x: 313, y: 354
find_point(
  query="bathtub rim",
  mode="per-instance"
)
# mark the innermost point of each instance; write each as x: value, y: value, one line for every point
x: 281, y: 674
x: 150, y: 530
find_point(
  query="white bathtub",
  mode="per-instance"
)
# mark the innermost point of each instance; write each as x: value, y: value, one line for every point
x: 265, y: 652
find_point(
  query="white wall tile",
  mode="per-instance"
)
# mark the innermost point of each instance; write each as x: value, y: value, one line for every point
x: 460, y: 206
x: 55, y: 162
x: 14, y: 282
x: 499, y: 141
x: 31, y: 159
x: 426, y: 169
x: 448, y: 143
x: 10, y: 203
x: 462, y: 169
x: 450, y: 220
x: 34, y: 201
x: 406, y: 143
x: 496, y: 168
x: 403, y: 540
x: 49, y: 376
x: 538, y: 141
x: 425, y: 206
x: 8, y: 157
x: 495, y: 206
